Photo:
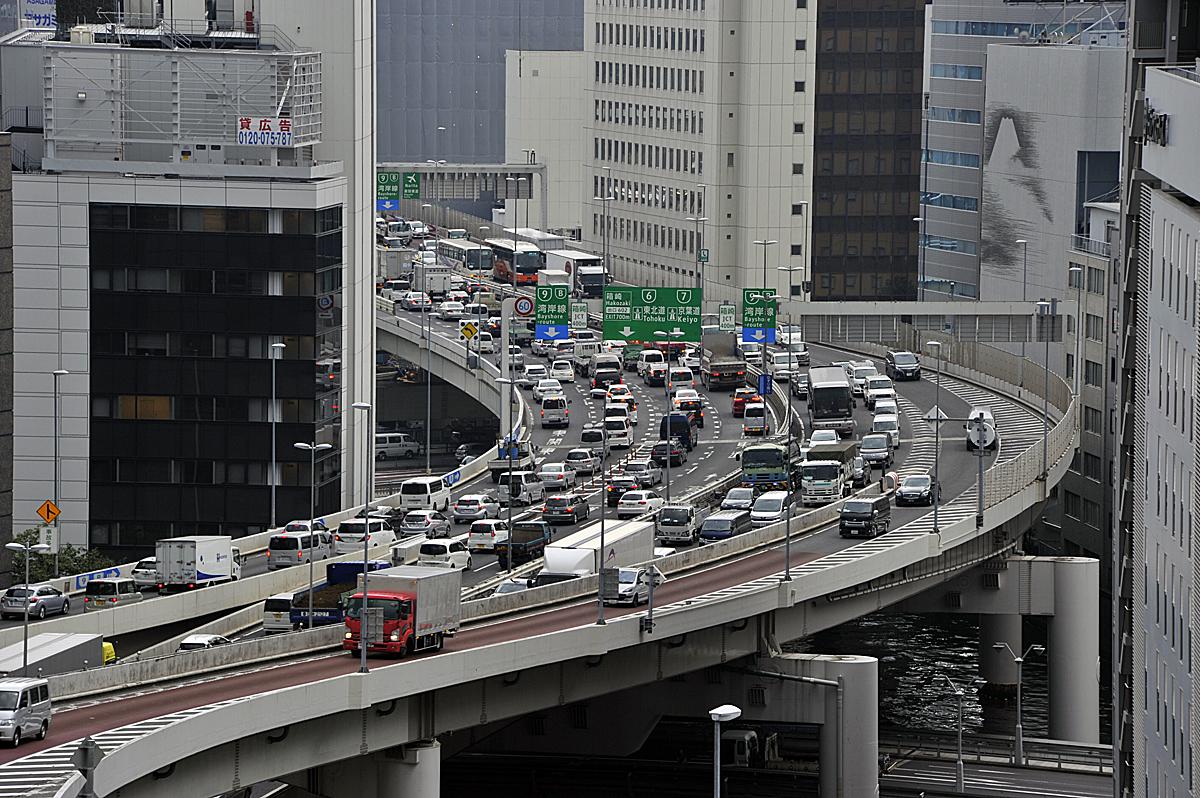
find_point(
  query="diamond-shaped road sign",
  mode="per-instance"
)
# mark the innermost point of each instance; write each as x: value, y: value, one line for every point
x: 468, y: 330
x: 935, y: 414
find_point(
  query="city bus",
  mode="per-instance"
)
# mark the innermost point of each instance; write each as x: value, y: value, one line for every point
x: 528, y: 261
x: 830, y: 403
x: 463, y: 254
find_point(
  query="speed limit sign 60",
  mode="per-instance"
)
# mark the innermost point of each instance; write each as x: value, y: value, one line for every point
x: 523, y: 306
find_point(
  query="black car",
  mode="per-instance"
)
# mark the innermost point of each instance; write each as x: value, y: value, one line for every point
x: 695, y: 409
x: 861, y: 472
x: 617, y: 487
x: 902, y: 366
x: 658, y: 453
x: 916, y: 490
x: 569, y: 509
x: 603, y: 378
x: 799, y: 386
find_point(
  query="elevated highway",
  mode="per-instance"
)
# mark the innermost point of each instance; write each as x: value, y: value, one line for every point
x: 204, y: 738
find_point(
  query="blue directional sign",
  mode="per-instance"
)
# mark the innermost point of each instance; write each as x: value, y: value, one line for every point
x: 551, y: 332
x: 387, y: 204
x: 766, y: 385
x: 758, y: 315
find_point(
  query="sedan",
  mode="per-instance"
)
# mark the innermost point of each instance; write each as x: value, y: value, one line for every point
x: 145, y: 573
x: 658, y: 453
x: 425, y: 522
x: 823, y: 436
x: 450, y: 310
x: 512, y: 586
x: 473, y: 507
x: 557, y: 475
x: 416, y: 300
x: 799, y: 386
x: 198, y: 642
x: 582, y: 461
x: 569, y: 509
x: 616, y: 390
x: 545, y: 388
x: 639, y: 502
x: 916, y: 489
x: 561, y: 370
x: 647, y: 471
x: 444, y: 554
x: 532, y: 375
x: 42, y: 600
x: 617, y: 487
x: 738, y: 499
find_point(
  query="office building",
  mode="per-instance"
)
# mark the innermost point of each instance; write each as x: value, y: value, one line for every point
x: 952, y: 189
x: 201, y: 269
x: 442, y: 64
x: 715, y: 125
x: 1155, y: 575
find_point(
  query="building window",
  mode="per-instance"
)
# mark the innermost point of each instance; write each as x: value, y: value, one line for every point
x: 1093, y: 327
x: 1093, y: 420
x: 1095, y: 280
x: 801, y: 44
x: 956, y: 71
x: 1093, y: 373
x: 797, y: 127
x: 797, y: 209
x: 1093, y: 467
x: 949, y: 244
x: 797, y: 168
x: 799, y: 85
x: 954, y: 201
x: 961, y: 115
x: 950, y: 158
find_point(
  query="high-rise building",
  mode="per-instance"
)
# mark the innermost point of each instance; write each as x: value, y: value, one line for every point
x: 1156, y: 580
x: 952, y: 188
x: 200, y: 269
x: 717, y: 125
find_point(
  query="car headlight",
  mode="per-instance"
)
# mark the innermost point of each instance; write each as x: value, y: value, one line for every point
x: 394, y: 636
x: 348, y: 635
x: 6, y: 723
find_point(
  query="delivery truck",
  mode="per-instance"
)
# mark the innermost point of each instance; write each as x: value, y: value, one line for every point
x: 187, y: 563
x: 625, y: 543
x: 552, y: 277
x: 587, y: 273
x: 721, y: 368
x: 410, y: 608
x: 53, y: 652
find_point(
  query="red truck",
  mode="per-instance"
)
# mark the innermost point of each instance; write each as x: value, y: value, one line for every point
x: 410, y: 608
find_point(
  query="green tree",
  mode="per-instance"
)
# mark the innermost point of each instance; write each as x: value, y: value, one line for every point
x: 71, y: 560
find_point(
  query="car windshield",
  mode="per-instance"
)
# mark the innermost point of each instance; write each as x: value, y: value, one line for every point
x: 879, y: 382
x: 277, y: 605
x: 856, y: 506
x: 768, y: 505
x: 874, y: 442
x: 18, y: 592
x: 558, y: 501
x: 552, y: 469
x: 146, y: 565
x: 917, y: 482
x: 718, y: 525
x: 626, y: 576
x: 862, y: 372
x: 467, y: 501
x: 615, y: 424
x: 528, y: 526
x: 755, y: 411
x: 673, y: 515
x: 192, y: 645
x: 740, y: 494
x: 904, y: 359
x: 510, y: 587
x: 416, y: 518
x: 821, y: 472
x: 885, y: 424
x: 634, y: 467
x: 414, y: 489
x: 579, y: 455
x: 98, y: 588
x: 756, y: 458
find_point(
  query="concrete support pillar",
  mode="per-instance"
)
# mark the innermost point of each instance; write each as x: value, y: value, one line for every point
x: 1074, y: 651
x: 997, y: 667
x: 411, y: 771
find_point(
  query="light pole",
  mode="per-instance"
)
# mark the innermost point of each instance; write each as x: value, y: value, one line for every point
x: 57, y: 373
x: 276, y: 353
x: 28, y: 549
x: 425, y: 331
x: 803, y: 239
x: 312, y: 449
x: 787, y: 540
x: 511, y: 442
x: 605, y: 475
x: 1077, y: 273
x: 699, y: 220
x: 725, y: 713
x: 1019, y: 739
x: 1045, y: 311
x: 365, y: 407
x: 920, y: 220
x: 937, y: 435
x: 606, y: 197
x: 1024, y: 293
x: 764, y: 243
x: 666, y: 337
x: 436, y: 173
x: 958, y: 768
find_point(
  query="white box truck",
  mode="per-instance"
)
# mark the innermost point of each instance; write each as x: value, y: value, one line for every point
x: 586, y: 270
x: 54, y: 652
x: 549, y: 277
x: 419, y: 607
x: 190, y: 562
x: 625, y: 543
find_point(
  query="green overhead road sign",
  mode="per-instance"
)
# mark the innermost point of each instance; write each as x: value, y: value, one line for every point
x: 412, y: 185
x: 758, y: 315
x: 552, y: 313
x: 635, y: 314
x: 387, y: 186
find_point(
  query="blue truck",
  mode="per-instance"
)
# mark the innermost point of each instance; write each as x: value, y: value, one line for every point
x: 340, y: 578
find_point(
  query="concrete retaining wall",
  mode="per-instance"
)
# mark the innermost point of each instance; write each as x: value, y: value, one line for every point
x: 226, y: 625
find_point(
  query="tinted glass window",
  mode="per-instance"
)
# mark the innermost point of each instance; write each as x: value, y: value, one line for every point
x: 100, y: 588
x: 285, y: 544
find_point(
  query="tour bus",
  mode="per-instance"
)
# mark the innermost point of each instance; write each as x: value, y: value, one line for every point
x: 516, y: 262
x: 466, y: 255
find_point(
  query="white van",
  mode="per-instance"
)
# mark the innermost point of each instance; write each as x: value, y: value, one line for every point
x: 647, y: 357
x: 526, y: 487
x: 277, y: 613
x: 620, y: 433
x: 349, y: 536
x: 24, y: 710
x: 424, y: 493
x: 554, y: 411
x: 395, y: 445
x: 769, y: 508
x: 298, y: 548
x: 890, y: 425
x: 781, y: 364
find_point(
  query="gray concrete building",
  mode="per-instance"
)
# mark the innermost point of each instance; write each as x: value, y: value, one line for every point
x: 956, y: 145
x: 441, y: 63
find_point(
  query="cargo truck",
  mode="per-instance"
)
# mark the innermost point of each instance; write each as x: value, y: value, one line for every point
x: 586, y: 270
x: 625, y: 543
x: 53, y: 652
x: 827, y: 473
x: 721, y: 368
x: 551, y: 277
x: 410, y: 608
x: 187, y: 563
x: 522, y: 461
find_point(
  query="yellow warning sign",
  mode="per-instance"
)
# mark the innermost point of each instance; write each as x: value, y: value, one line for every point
x: 49, y: 511
x: 468, y: 331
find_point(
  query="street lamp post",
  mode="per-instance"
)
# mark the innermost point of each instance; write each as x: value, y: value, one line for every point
x: 511, y: 442
x: 959, y: 693
x: 436, y: 173
x: 764, y: 243
x: 699, y: 220
x: 920, y: 220
x: 787, y: 539
x: 28, y: 549
x: 312, y: 449
x: 937, y: 435
x: 367, y: 490
x: 1019, y: 738
x: 57, y: 470
x: 1024, y: 292
x: 722, y: 714
x: 667, y: 336
x: 1045, y: 311
x: 1077, y: 273
x: 276, y: 353
x: 605, y: 198
x: 427, y: 333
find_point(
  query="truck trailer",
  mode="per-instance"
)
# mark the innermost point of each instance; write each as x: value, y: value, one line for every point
x: 625, y: 543
x: 416, y: 608
x: 53, y: 652
x: 186, y: 563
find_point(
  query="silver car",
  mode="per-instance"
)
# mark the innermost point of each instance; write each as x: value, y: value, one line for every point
x: 583, y: 461
x: 557, y: 475
x: 430, y: 523
x: 738, y: 499
x: 24, y: 709
x: 42, y: 600
x: 647, y: 472
x: 473, y: 507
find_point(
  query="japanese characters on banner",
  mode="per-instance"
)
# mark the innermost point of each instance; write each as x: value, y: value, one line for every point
x: 264, y: 131
x: 41, y: 13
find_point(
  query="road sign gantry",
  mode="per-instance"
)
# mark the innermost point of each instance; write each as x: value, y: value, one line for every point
x: 634, y: 313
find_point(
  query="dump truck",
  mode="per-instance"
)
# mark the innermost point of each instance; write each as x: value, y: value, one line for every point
x: 53, y: 652
x: 721, y: 368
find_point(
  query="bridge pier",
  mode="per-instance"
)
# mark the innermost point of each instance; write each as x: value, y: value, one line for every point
x: 406, y: 771
x: 997, y: 667
x: 1074, y: 651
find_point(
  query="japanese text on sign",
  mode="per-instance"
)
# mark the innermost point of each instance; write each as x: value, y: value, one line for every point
x: 264, y: 131
x: 641, y: 314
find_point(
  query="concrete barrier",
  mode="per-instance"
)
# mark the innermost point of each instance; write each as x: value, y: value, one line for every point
x: 226, y: 625
x: 207, y: 660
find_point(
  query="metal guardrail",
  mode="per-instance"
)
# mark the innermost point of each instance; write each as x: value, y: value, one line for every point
x: 1039, y: 753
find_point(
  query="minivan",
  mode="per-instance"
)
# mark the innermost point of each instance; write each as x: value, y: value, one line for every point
x: 647, y: 357
x: 678, y: 425
x: 395, y: 445
x: 522, y: 487
x: 724, y: 524
x: 298, y: 548
x: 424, y: 493
x: 769, y: 508
x: 595, y: 437
x: 620, y: 433
x: 554, y: 411
x: 24, y: 709
x: 277, y: 613
x: 349, y: 536
x: 102, y: 594
x: 868, y: 516
x: 754, y: 420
